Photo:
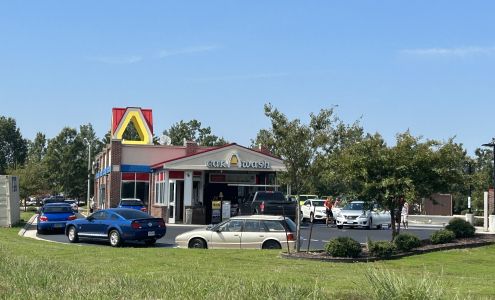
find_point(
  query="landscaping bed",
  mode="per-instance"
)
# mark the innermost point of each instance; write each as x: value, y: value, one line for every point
x: 477, y: 240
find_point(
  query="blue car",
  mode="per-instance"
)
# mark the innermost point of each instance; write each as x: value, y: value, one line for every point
x: 117, y: 225
x: 132, y: 204
x: 53, y: 216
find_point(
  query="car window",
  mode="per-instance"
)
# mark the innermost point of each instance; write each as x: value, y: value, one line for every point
x: 319, y: 203
x: 101, y: 215
x: 354, y: 206
x: 231, y: 226
x: 133, y: 202
x: 57, y: 209
x: 307, y: 202
x: 132, y: 214
x: 252, y: 226
x: 114, y: 217
x: 270, y: 196
x: 273, y: 225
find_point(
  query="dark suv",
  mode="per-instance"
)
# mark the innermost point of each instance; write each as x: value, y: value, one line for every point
x: 273, y: 203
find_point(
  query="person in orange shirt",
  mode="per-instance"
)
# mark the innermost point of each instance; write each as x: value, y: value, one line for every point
x: 328, y: 206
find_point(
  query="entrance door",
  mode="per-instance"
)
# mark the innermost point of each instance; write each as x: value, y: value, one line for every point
x: 176, y: 204
x: 171, y: 204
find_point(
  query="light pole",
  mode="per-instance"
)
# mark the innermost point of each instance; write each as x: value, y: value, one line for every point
x: 469, y: 171
x: 89, y: 175
x: 492, y: 144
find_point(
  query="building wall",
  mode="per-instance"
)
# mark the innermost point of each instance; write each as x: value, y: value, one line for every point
x: 438, y: 205
x: 115, y: 177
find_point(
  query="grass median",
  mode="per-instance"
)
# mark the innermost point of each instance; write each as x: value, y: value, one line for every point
x: 31, y: 269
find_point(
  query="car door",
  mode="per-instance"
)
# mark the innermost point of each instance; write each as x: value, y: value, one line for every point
x: 306, y: 209
x: 228, y: 235
x: 90, y: 227
x: 375, y: 215
x: 101, y: 223
x: 253, y: 234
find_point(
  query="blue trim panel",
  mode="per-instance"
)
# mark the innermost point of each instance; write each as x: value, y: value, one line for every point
x: 103, y: 172
x: 135, y: 168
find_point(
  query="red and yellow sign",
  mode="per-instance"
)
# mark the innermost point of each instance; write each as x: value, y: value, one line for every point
x: 142, y: 119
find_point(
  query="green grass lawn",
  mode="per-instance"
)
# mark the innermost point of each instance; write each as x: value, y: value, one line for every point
x: 31, y: 269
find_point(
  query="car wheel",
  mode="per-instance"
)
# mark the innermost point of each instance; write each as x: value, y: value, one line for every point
x: 311, y: 218
x: 379, y: 226
x: 114, y: 238
x: 271, y: 245
x: 72, y: 235
x: 150, y: 242
x: 197, y: 243
x: 340, y: 226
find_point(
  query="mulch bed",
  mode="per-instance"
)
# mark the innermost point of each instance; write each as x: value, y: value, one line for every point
x: 477, y: 241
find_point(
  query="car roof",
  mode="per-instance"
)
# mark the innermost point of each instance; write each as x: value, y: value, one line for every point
x: 258, y: 217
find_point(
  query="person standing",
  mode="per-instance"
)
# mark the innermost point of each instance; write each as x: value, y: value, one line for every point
x: 404, y: 214
x: 328, y: 207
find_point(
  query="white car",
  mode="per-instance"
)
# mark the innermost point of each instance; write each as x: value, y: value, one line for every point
x: 313, y: 209
x: 243, y: 232
x: 354, y: 215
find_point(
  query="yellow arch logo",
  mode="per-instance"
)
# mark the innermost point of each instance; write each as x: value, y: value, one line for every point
x: 234, y: 161
x: 136, y: 118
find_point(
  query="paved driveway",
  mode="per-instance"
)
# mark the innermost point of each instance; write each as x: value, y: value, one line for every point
x: 320, y: 235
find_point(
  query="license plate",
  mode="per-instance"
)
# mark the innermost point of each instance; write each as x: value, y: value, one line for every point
x: 59, y: 225
x: 151, y: 233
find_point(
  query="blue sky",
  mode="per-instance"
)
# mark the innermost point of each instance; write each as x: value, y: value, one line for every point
x: 427, y: 66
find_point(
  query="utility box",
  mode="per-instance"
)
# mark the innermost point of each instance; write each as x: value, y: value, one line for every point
x: 9, y: 200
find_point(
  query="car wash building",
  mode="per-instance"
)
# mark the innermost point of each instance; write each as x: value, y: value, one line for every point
x: 182, y: 184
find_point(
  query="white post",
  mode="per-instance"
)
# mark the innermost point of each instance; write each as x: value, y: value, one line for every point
x: 188, y: 187
x: 485, y: 211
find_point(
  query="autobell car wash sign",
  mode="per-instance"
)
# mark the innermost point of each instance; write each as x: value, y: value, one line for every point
x: 235, y: 161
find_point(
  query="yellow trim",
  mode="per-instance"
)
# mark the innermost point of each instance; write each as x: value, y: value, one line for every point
x: 139, y: 123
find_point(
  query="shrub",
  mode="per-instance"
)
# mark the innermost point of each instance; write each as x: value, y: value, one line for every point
x: 343, y: 247
x: 442, y: 236
x: 461, y: 228
x: 388, y: 285
x: 406, y: 241
x: 381, y: 248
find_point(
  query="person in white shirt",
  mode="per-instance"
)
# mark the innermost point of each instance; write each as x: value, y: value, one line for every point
x: 404, y: 214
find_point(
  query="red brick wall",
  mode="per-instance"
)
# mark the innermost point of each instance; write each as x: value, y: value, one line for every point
x: 114, y: 177
x: 438, y: 204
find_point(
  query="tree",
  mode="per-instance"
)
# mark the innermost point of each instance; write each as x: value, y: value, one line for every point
x: 37, y: 148
x: 192, y: 131
x: 296, y: 143
x: 13, y: 148
x: 66, y: 161
x: 408, y: 171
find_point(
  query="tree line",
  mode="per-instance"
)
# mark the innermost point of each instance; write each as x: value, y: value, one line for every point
x: 324, y: 156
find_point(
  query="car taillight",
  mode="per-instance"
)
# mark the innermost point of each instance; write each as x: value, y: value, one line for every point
x: 73, y: 217
x: 262, y: 206
x: 290, y: 237
x: 144, y: 209
x: 135, y: 225
x: 161, y: 223
x: 43, y: 219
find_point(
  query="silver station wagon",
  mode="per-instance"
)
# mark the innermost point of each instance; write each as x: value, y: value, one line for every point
x: 243, y: 232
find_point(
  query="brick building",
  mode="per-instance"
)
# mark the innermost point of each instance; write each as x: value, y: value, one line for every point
x: 173, y: 180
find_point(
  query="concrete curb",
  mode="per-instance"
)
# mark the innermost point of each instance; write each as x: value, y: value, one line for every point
x: 22, y: 232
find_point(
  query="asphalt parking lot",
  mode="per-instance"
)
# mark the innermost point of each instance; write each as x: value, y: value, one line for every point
x: 320, y: 235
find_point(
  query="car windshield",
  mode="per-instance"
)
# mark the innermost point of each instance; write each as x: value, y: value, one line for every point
x: 53, y: 201
x: 57, y: 209
x: 133, y: 202
x: 318, y: 203
x: 354, y: 206
x: 70, y: 201
x: 133, y: 214
x: 270, y: 196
